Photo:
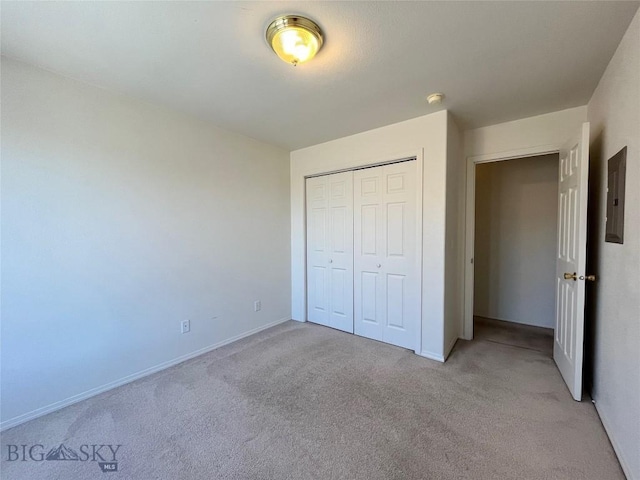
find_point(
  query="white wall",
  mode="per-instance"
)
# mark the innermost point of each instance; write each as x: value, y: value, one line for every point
x: 514, y: 138
x: 515, y: 240
x: 425, y: 136
x: 454, y: 242
x: 613, y: 331
x: 119, y: 220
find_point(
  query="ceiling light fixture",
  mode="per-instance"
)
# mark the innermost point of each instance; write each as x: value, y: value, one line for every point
x: 295, y: 39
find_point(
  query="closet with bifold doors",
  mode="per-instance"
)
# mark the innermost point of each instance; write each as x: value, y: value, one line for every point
x: 363, y: 262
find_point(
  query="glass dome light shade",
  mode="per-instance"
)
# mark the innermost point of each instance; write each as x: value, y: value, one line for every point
x: 294, y: 39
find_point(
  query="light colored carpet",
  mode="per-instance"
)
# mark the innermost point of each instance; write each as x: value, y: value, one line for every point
x: 302, y: 401
x: 515, y: 334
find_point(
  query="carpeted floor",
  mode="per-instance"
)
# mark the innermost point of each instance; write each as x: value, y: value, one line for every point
x: 515, y: 334
x: 302, y: 401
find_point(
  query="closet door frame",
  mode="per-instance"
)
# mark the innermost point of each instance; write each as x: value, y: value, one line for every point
x: 412, y: 155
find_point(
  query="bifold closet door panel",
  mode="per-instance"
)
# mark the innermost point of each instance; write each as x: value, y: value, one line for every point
x: 330, y: 250
x: 340, y: 250
x: 386, y: 263
x: 369, y: 242
x: 402, y: 262
x: 317, y: 270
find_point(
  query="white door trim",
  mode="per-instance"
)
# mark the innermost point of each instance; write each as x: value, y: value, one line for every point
x: 403, y: 156
x: 470, y: 220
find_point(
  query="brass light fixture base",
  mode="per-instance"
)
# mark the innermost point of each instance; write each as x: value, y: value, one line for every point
x: 295, y: 39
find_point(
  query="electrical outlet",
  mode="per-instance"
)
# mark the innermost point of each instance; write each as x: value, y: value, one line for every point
x: 185, y: 326
x: 257, y: 306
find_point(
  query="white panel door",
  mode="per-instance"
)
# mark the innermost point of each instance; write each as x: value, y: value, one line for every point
x: 317, y: 254
x: 570, y: 260
x: 330, y: 250
x: 386, y: 263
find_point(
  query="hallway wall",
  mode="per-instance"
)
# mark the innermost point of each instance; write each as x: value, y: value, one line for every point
x: 516, y: 231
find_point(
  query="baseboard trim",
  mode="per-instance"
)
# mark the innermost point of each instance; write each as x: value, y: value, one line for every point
x: 616, y: 446
x: 546, y: 327
x: 39, y: 412
x: 447, y: 351
x: 432, y: 356
x: 438, y: 357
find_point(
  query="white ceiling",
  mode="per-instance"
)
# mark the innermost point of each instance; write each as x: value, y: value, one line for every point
x: 495, y: 61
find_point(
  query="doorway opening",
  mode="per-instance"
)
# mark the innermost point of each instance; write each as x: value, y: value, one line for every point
x: 571, y: 247
x: 516, y: 232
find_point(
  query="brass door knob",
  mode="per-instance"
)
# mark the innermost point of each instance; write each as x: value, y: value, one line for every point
x: 588, y: 278
x: 571, y: 276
